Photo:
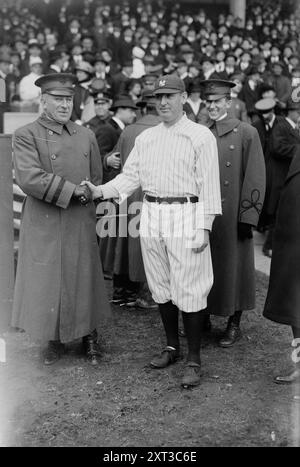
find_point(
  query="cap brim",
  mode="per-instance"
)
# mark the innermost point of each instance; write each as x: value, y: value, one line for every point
x: 98, y: 101
x: 215, y: 97
x: 167, y: 91
x: 60, y: 92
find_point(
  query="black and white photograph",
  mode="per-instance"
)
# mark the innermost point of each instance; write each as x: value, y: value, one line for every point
x: 149, y: 226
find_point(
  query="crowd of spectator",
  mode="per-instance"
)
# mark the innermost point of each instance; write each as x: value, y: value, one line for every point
x: 121, y: 47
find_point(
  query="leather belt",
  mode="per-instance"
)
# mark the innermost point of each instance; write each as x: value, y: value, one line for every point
x: 171, y: 199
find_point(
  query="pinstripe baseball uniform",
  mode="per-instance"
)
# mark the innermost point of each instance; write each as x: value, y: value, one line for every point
x: 174, y: 161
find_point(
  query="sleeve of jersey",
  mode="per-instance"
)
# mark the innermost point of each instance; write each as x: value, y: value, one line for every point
x: 208, y: 182
x: 33, y: 179
x: 124, y: 184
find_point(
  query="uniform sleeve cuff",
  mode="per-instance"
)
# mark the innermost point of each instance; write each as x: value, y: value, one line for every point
x: 208, y: 221
x: 65, y: 195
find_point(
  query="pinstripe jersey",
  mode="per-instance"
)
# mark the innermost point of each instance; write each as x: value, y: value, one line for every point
x: 179, y: 160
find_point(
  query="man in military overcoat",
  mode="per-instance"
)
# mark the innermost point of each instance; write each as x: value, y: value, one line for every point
x: 242, y: 177
x: 59, y: 293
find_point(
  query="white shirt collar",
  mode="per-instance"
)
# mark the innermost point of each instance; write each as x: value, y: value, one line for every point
x: 271, y: 122
x: 119, y: 122
x: 293, y: 124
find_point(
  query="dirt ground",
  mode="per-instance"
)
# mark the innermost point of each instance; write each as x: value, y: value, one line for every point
x: 125, y: 403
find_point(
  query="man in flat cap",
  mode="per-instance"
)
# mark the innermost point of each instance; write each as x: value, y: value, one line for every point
x: 59, y: 293
x: 176, y: 165
x: 242, y: 176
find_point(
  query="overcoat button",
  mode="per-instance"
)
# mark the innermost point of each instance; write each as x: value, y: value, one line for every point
x: 53, y: 157
x: 231, y: 146
x: 50, y: 132
x: 235, y: 130
x: 86, y: 154
x: 74, y: 131
x: 226, y: 183
x: 228, y: 164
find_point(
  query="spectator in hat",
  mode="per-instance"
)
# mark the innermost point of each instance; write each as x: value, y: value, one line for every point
x: 230, y: 65
x: 208, y: 68
x: 187, y: 53
x: 29, y: 92
x: 194, y: 103
x: 60, y: 294
x: 238, y: 107
x: 134, y: 89
x: 105, y: 132
x: 274, y: 56
x: 124, y: 114
x: 101, y: 70
x: 182, y: 71
x: 121, y: 80
x: 294, y: 62
x: 55, y: 62
x: 244, y: 62
x: 82, y: 98
x: 220, y: 62
x: 76, y: 55
x: 281, y: 84
x: 87, y: 42
x: 148, y: 81
x: 111, y: 66
x: 34, y: 49
x: 242, y: 177
x: 250, y: 90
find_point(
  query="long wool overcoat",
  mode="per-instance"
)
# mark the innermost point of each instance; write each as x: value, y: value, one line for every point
x: 59, y: 291
x: 242, y: 178
x: 283, y: 298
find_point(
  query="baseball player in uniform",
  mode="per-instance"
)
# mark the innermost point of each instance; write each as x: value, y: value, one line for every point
x: 176, y: 165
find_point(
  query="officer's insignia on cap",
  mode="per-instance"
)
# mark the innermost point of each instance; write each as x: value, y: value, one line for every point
x: 162, y: 83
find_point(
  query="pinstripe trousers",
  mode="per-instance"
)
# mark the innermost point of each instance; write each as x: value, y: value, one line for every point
x: 174, y: 271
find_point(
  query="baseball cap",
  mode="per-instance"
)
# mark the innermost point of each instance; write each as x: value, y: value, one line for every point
x: 169, y: 84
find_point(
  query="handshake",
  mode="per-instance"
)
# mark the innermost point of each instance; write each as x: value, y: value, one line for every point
x: 86, y: 192
x: 83, y: 194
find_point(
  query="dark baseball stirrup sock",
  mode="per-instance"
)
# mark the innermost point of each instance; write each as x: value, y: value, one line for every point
x: 193, y: 326
x: 169, y: 316
x: 236, y: 318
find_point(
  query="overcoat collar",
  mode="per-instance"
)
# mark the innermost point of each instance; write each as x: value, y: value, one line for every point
x: 55, y: 126
x: 226, y: 125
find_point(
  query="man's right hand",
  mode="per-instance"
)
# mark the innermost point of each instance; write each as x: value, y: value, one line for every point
x: 83, y: 194
x: 96, y: 190
x: 113, y: 160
